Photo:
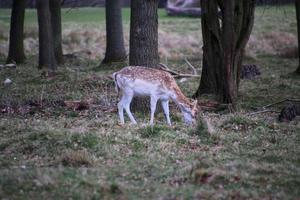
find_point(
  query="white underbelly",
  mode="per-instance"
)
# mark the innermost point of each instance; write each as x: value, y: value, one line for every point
x: 142, y: 88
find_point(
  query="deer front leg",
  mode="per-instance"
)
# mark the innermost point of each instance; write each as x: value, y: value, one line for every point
x: 165, y: 106
x: 127, y: 101
x: 153, y: 103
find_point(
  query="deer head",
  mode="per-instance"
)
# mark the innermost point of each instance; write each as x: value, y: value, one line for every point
x: 189, y: 111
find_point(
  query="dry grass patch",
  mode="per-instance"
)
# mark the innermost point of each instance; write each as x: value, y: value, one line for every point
x: 78, y: 158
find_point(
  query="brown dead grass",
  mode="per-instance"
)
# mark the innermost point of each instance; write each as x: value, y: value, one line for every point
x: 80, y: 158
x: 90, y: 43
x: 272, y: 43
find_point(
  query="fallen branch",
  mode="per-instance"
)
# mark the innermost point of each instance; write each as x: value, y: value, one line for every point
x: 279, y: 102
x: 191, y: 66
x: 179, y: 11
x: 174, y: 73
x: 8, y: 66
x: 262, y: 111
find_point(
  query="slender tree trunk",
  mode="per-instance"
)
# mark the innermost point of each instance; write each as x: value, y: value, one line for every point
x: 144, y: 33
x: 46, y: 46
x: 224, y: 42
x: 115, y: 50
x: 16, y: 47
x: 297, y: 4
x: 55, y: 11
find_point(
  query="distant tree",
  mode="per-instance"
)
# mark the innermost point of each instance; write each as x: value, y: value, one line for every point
x: 55, y: 11
x: 115, y: 50
x: 144, y: 33
x: 225, y: 35
x: 297, y: 4
x: 46, y: 46
x: 16, y: 46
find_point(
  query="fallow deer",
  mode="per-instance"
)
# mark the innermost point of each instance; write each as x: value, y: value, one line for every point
x: 158, y: 84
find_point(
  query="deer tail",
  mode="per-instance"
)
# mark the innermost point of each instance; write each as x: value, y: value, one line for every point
x: 114, y: 76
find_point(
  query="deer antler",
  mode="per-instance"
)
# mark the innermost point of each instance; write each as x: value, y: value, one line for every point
x: 176, y: 74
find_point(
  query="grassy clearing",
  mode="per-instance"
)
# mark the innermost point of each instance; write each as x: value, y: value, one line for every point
x: 84, y: 33
x: 48, y: 150
x: 77, y: 15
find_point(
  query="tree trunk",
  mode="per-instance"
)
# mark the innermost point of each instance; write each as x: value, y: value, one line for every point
x: 115, y: 50
x: 143, y: 49
x: 144, y: 33
x: 46, y: 47
x: 224, y: 41
x: 55, y: 11
x: 16, y: 47
x: 297, y: 4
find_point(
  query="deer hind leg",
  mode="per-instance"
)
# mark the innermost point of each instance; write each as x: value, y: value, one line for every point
x: 153, y: 103
x: 121, y: 110
x: 126, y: 103
x: 165, y: 106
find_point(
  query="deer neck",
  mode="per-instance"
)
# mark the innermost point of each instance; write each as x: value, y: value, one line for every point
x: 180, y: 99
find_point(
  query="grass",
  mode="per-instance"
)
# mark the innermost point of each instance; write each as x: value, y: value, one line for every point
x: 48, y: 150
x: 76, y: 15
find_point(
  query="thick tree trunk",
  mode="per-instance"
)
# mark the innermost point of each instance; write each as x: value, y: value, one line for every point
x: 297, y: 5
x: 55, y: 11
x: 16, y: 47
x: 144, y: 33
x: 115, y: 50
x: 46, y: 46
x: 143, y: 49
x: 211, y: 78
x: 224, y: 42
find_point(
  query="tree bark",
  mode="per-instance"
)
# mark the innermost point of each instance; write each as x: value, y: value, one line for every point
x: 297, y: 5
x: 224, y: 41
x: 115, y: 50
x: 16, y: 46
x: 46, y: 46
x: 55, y: 11
x: 143, y: 50
x: 144, y: 33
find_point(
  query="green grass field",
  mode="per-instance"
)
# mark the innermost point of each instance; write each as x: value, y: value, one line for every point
x: 50, y: 151
x: 76, y: 15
